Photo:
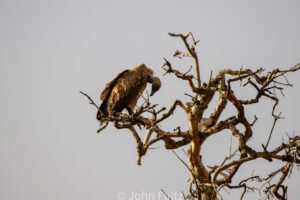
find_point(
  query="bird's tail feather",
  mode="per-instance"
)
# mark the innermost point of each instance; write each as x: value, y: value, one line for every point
x: 101, y: 111
x: 99, y: 114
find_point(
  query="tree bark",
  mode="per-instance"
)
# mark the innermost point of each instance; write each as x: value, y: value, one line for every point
x: 199, y: 174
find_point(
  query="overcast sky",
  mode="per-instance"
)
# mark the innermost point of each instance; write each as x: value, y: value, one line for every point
x: 49, y: 50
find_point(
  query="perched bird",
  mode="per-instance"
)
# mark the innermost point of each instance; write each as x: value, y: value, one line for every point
x: 125, y: 90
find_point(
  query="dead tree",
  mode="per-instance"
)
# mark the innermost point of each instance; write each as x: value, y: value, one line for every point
x: 205, y: 182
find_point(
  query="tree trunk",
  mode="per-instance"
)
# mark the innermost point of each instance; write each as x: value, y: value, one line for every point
x: 199, y: 174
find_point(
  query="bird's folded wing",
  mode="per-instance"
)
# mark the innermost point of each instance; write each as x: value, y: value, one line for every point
x: 125, y: 88
x: 109, y: 86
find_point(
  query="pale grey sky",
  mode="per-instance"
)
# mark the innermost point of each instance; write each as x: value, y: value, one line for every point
x: 49, y: 50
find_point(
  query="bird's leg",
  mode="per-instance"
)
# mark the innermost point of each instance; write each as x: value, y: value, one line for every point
x: 129, y: 110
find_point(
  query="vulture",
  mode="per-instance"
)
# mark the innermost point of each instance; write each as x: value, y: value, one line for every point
x: 125, y: 90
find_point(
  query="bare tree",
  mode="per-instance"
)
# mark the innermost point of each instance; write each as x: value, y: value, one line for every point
x: 205, y: 182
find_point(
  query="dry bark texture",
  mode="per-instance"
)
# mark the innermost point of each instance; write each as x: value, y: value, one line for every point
x: 205, y: 182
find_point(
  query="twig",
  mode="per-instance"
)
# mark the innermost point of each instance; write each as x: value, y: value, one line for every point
x: 272, y: 129
x: 167, y: 196
x: 91, y: 100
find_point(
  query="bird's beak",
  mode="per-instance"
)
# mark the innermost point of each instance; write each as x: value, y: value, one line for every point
x: 155, y: 85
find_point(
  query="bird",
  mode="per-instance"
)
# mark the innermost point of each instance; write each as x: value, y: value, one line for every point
x: 124, y: 91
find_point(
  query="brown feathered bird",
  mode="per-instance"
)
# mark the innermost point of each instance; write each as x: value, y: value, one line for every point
x: 125, y: 90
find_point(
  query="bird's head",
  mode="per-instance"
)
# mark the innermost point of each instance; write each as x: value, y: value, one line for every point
x: 155, y: 81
